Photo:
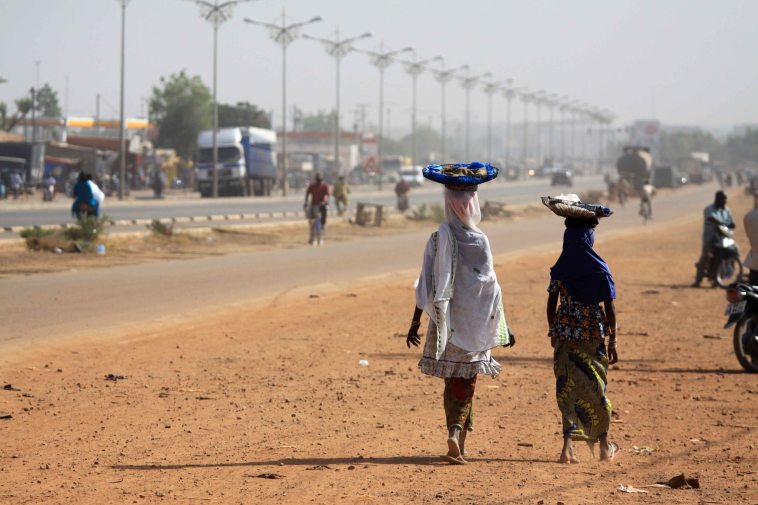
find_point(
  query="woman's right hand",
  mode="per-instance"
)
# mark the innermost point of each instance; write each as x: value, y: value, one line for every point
x: 413, y: 337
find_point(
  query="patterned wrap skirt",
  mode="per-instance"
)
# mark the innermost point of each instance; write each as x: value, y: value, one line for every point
x: 581, y: 376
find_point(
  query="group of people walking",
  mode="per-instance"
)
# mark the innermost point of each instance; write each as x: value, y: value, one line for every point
x: 459, y: 292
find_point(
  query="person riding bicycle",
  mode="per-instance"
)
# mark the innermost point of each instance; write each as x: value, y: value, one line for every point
x: 646, y: 200
x: 715, y: 215
x: 319, y: 193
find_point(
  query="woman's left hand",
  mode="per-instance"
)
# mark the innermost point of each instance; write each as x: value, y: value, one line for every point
x: 613, y: 355
x: 512, y: 336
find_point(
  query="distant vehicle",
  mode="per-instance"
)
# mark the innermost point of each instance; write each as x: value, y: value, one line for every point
x: 412, y: 175
x: 697, y: 168
x: 561, y: 178
x: 246, y: 161
x: 635, y: 165
x: 665, y: 176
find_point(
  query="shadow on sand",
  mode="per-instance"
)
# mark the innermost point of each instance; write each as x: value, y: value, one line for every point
x: 323, y: 462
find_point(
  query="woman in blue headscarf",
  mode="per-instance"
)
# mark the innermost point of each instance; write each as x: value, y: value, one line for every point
x: 578, y: 328
x: 85, y: 202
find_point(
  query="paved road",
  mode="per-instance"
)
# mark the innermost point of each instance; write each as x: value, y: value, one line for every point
x: 90, y: 303
x: 39, y: 214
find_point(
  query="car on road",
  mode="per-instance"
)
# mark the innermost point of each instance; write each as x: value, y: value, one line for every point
x: 561, y: 178
x: 412, y: 175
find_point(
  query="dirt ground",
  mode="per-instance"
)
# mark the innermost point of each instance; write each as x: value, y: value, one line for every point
x: 206, y: 411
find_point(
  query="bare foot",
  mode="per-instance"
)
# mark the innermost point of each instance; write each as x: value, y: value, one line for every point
x: 567, y: 454
x: 454, y: 450
x: 462, y: 442
x: 608, y: 450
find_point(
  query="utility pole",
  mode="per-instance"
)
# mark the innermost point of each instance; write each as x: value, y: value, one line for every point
x: 468, y: 82
x: 382, y: 59
x: 337, y: 48
x: 216, y: 14
x: 490, y: 88
x: 414, y: 69
x: 284, y: 34
x: 443, y: 76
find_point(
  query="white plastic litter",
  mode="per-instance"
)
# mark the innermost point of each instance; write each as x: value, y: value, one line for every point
x: 363, y: 362
x: 629, y: 489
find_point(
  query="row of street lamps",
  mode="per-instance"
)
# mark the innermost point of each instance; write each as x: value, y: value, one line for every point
x: 284, y: 33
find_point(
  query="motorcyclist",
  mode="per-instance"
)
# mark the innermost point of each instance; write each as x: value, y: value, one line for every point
x: 715, y: 215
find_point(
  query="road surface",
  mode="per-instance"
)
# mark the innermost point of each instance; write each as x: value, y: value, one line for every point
x: 36, y: 213
x: 112, y: 301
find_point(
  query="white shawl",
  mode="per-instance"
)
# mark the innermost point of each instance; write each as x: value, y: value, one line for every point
x: 458, y: 287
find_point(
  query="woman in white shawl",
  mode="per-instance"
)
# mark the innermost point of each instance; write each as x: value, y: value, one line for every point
x: 458, y: 290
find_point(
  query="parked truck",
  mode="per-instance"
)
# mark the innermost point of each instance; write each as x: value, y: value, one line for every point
x: 635, y: 165
x: 246, y: 161
x: 697, y: 167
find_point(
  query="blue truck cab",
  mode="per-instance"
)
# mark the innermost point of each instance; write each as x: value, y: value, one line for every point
x: 246, y: 161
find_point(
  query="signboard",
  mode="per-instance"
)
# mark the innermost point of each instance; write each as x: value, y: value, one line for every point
x: 370, y: 166
x: 647, y: 133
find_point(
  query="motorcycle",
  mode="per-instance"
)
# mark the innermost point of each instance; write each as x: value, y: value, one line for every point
x: 48, y: 192
x: 743, y: 313
x: 724, y: 266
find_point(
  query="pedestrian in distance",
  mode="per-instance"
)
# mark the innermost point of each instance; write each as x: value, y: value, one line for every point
x: 582, y: 281
x: 714, y: 215
x: 402, y: 188
x: 340, y: 194
x: 17, y: 185
x: 315, y: 206
x: 459, y: 291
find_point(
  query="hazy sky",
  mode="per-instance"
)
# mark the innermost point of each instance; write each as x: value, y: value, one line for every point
x: 685, y: 62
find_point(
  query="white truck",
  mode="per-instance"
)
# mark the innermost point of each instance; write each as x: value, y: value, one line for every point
x: 246, y: 161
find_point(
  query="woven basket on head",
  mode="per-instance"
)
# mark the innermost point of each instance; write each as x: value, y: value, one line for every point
x: 574, y: 208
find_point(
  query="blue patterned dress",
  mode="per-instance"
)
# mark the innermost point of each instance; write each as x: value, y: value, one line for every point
x: 580, y: 363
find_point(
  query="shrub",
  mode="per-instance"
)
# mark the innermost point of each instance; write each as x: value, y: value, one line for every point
x: 86, y: 229
x: 429, y: 212
x: 161, y: 229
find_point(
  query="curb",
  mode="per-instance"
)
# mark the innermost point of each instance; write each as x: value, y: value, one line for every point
x: 183, y: 219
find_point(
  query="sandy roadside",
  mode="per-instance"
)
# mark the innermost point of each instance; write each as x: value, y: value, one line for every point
x: 275, y: 388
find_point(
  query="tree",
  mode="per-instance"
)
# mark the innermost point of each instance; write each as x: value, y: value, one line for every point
x: 181, y: 107
x: 681, y: 144
x: 23, y: 107
x: 320, y: 122
x: 743, y: 148
x: 47, y: 102
x: 242, y: 114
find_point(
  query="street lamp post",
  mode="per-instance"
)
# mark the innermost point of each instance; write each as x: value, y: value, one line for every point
x: 337, y: 48
x: 526, y: 97
x: 414, y: 69
x: 443, y: 76
x: 216, y: 13
x: 539, y: 98
x: 550, y: 102
x: 121, y: 125
x: 382, y: 59
x: 490, y: 88
x: 284, y: 34
x: 468, y: 82
x: 563, y: 107
x: 509, y: 92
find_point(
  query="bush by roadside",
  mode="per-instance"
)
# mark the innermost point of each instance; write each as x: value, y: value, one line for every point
x: 76, y: 238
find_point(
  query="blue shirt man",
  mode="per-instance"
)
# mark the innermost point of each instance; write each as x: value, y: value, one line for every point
x: 714, y: 215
